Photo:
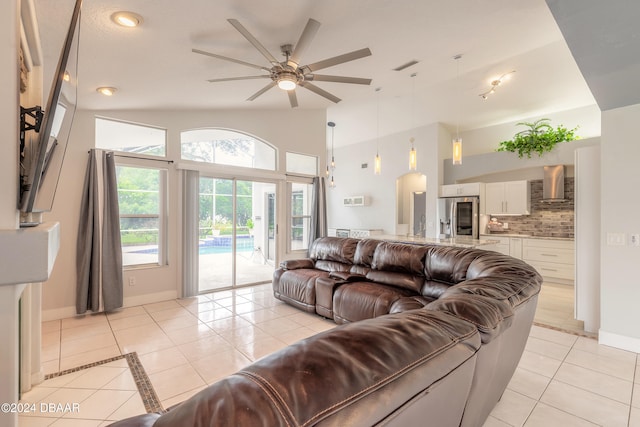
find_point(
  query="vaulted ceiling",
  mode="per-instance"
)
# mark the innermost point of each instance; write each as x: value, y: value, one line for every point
x: 153, y: 66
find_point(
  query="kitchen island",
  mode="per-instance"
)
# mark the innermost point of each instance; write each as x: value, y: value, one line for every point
x: 461, y: 242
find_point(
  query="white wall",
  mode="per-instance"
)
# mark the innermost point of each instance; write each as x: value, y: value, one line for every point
x: 302, y: 131
x: 353, y: 180
x: 620, y: 282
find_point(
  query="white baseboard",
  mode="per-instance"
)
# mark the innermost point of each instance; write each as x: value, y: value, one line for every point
x: 64, y: 312
x: 619, y: 341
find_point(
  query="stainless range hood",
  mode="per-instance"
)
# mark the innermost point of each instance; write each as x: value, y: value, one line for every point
x: 553, y: 184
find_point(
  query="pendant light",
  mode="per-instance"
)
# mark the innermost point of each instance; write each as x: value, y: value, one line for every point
x: 377, y: 163
x: 413, y: 155
x: 332, y: 183
x: 457, y: 141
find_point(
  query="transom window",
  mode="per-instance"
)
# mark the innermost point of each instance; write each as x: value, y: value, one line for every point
x: 227, y: 147
x: 130, y: 138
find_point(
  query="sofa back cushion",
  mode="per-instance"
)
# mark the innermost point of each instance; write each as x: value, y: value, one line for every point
x: 445, y: 266
x: 336, y: 249
x: 398, y: 264
x: 363, y: 257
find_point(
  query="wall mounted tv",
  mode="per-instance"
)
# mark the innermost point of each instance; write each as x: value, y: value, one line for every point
x: 44, y: 159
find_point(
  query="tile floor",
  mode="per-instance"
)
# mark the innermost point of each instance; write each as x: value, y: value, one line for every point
x: 184, y: 345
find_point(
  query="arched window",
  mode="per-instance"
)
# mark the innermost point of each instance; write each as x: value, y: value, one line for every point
x: 227, y: 147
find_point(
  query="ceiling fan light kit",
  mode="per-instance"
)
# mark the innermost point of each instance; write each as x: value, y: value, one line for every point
x: 289, y: 74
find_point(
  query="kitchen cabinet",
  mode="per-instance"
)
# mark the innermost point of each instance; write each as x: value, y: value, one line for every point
x: 506, y: 245
x: 456, y: 190
x: 507, y: 198
x: 554, y: 259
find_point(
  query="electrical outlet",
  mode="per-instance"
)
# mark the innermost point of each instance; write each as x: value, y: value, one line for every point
x: 615, y: 239
x: 132, y: 280
x: 505, y: 225
x: 634, y: 239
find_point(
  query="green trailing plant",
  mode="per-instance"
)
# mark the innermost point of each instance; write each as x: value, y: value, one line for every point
x: 539, y: 137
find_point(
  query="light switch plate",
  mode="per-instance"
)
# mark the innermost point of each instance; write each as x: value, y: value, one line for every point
x: 634, y: 239
x: 615, y: 239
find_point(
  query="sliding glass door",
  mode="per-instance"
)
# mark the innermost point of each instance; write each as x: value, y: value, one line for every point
x: 236, y: 239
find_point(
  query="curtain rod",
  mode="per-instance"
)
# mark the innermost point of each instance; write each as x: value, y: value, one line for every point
x: 138, y: 158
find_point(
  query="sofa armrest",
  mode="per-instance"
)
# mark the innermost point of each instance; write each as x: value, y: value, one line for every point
x: 346, y: 276
x: 295, y: 264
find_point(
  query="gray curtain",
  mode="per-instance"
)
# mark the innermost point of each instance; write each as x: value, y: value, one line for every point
x: 318, y: 226
x: 99, y: 251
x: 190, y: 216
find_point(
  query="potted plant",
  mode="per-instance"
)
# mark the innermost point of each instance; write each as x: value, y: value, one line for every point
x: 539, y: 137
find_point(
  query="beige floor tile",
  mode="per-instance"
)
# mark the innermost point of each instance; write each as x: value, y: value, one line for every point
x: 585, y: 404
x: 190, y: 333
x: 29, y: 421
x: 216, y: 313
x: 222, y: 326
x: 260, y: 315
x: 592, y: 346
x: 528, y: 383
x: 124, y: 381
x: 37, y: 393
x: 247, y: 307
x: 50, y: 366
x: 120, y: 323
x: 51, y: 326
x: 132, y: 407
x: 284, y: 309
x: 197, y: 306
x: 261, y: 348
x: 557, y: 337
x: 172, y: 401
x: 231, y: 301
x: 85, y: 331
x: 162, y: 360
x: 170, y: 313
x: 84, y: 320
x: 513, y: 408
x: 62, y: 380
x: 205, y: 347
x: 635, y: 402
x: 605, y: 364
x: 178, y: 322
x: 304, y: 318
x: 295, y: 335
x: 160, y: 306
x: 101, y: 404
x: 88, y: 343
x: 494, y: 422
x: 245, y: 335
x: 321, y: 325
x: 191, y: 301
x: 65, y: 396
x: 84, y: 358
x: 175, y: 381
x: 96, y: 377
x: 118, y: 363
x: 596, y: 382
x: 547, y: 348
x: 218, y: 366
x: 278, y: 326
x: 126, y: 312
x: 634, y: 417
x: 142, y: 339
x: 539, y: 364
x: 546, y: 416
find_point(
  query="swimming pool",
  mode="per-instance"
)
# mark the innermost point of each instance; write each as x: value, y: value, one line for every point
x: 213, y: 245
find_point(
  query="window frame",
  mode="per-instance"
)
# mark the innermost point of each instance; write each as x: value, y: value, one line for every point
x: 133, y: 153
x: 290, y: 216
x: 163, y: 211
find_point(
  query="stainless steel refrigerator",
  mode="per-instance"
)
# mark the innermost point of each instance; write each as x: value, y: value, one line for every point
x: 458, y: 217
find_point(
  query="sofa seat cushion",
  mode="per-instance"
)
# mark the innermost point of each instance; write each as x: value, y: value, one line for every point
x: 410, y: 303
x: 298, y: 287
x: 352, y: 375
x: 365, y: 300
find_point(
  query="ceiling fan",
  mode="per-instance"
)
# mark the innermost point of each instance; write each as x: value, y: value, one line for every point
x: 289, y: 74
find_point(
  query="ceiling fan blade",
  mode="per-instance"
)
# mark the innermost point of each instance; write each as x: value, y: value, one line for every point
x: 230, y: 79
x: 237, y: 61
x: 247, y: 35
x: 340, y: 59
x: 293, y: 99
x: 337, y: 79
x: 261, y: 91
x: 315, y: 89
x: 304, y: 41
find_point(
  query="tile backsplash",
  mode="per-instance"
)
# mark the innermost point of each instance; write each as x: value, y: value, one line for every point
x: 547, y: 219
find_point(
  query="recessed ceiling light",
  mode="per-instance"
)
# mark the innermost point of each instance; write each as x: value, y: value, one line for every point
x: 107, y: 91
x: 127, y: 19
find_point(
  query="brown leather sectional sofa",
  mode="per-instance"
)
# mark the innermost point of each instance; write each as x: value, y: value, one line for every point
x: 430, y: 336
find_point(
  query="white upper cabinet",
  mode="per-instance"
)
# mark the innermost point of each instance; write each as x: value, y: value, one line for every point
x: 508, y: 198
x: 461, y: 190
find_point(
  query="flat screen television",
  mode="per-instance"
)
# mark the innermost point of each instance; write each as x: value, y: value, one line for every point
x: 45, y: 158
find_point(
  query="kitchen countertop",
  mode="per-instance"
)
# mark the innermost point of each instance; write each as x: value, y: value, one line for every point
x: 529, y: 236
x: 462, y: 242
